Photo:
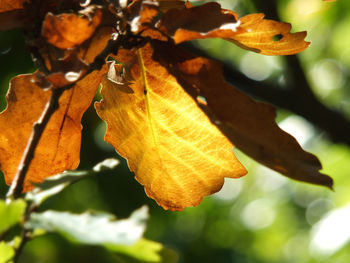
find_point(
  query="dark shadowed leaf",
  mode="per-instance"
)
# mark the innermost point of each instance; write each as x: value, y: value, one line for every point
x: 250, y: 125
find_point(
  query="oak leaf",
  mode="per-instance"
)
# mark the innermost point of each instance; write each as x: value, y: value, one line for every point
x: 250, y: 125
x: 59, y: 147
x: 10, y: 5
x: 12, y: 14
x: 251, y: 32
x: 69, y: 30
x: 170, y: 144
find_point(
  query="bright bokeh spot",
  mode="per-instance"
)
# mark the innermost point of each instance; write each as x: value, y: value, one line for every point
x: 258, y: 214
x: 331, y: 233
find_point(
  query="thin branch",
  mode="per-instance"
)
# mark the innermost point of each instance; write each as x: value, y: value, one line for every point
x: 50, y: 108
x: 24, y: 239
x: 28, y: 155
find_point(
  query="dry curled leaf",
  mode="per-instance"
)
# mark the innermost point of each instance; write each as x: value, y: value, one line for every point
x: 250, y: 125
x: 251, y: 32
x: 171, y: 145
x: 69, y: 30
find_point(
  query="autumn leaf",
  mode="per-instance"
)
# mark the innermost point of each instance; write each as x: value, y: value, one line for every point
x: 59, y: 147
x: 250, y: 125
x: 10, y: 5
x: 171, y: 145
x: 12, y: 14
x: 69, y: 30
x: 251, y: 32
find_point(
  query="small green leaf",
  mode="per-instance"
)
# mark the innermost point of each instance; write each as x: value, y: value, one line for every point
x: 92, y: 228
x: 11, y: 214
x: 145, y: 251
x: 55, y: 184
x: 6, y: 252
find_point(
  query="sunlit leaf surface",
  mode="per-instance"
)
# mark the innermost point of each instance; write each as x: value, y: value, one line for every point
x: 171, y: 145
x: 251, y: 32
x: 250, y: 125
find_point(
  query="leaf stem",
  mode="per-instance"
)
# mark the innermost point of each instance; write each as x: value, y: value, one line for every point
x: 28, y: 155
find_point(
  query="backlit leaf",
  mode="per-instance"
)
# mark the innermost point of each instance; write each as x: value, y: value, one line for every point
x: 250, y: 125
x: 59, y: 146
x: 145, y: 251
x: 69, y: 30
x: 6, y: 252
x: 11, y: 214
x: 10, y: 5
x: 251, y: 32
x: 171, y: 145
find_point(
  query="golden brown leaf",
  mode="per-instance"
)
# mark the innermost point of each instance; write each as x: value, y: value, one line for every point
x: 10, y: 5
x: 59, y: 147
x: 171, y: 145
x: 251, y: 32
x: 268, y: 37
x: 69, y: 30
x: 250, y: 125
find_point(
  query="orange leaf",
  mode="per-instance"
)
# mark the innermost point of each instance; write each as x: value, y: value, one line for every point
x: 10, y: 5
x: 69, y: 30
x: 251, y: 32
x: 268, y: 37
x: 171, y: 145
x: 12, y: 14
x: 250, y: 125
x: 59, y: 146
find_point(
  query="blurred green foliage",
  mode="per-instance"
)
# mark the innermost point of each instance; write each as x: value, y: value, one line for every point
x: 260, y: 218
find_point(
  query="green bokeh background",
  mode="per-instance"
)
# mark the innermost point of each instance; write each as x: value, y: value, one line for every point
x: 260, y: 218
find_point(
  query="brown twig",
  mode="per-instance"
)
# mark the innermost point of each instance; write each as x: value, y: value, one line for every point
x: 28, y: 155
x: 16, y: 187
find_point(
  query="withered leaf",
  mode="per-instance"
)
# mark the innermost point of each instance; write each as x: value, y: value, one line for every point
x: 177, y: 154
x: 69, y: 30
x: 250, y: 125
x: 251, y: 32
x: 10, y: 5
x: 59, y: 146
x: 12, y: 14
